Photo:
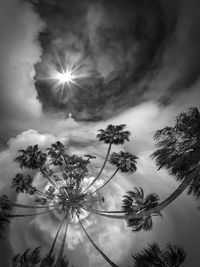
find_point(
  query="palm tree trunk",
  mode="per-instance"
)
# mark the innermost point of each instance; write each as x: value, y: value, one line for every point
x: 102, y: 168
x: 52, y: 182
x: 97, y: 248
x: 156, y: 209
x: 60, y: 255
x: 109, y: 212
x: 30, y: 214
x: 31, y: 207
x: 54, y: 241
x: 40, y: 193
x: 105, y: 182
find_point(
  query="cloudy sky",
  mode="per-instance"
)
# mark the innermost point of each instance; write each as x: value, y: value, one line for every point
x: 136, y: 62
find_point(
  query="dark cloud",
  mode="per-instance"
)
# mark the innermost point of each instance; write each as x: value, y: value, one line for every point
x: 124, y: 43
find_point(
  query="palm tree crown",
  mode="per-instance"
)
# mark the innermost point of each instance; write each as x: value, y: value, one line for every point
x: 135, y: 201
x: 23, y: 184
x: 153, y: 256
x: 124, y: 161
x: 179, y: 148
x: 31, y: 158
x: 114, y: 134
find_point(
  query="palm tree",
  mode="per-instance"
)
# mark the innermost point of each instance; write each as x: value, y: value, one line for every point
x: 32, y: 258
x: 28, y: 258
x: 7, y: 205
x: 134, y: 201
x: 179, y: 152
x: 111, y: 135
x: 153, y: 256
x: 124, y: 161
x: 23, y: 184
x: 31, y: 158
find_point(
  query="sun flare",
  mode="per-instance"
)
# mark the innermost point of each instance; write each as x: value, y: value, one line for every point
x: 65, y: 77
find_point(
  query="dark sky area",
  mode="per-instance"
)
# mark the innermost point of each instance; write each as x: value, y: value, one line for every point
x: 137, y: 62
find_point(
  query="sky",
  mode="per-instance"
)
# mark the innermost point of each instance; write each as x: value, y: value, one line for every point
x: 138, y: 63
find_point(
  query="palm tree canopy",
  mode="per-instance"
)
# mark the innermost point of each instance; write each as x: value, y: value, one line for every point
x: 5, y: 203
x: 114, y: 134
x: 4, y: 221
x: 28, y: 258
x: 23, y: 184
x: 33, y: 258
x: 153, y: 256
x: 179, y: 148
x: 124, y: 161
x: 135, y: 202
x: 31, y: 158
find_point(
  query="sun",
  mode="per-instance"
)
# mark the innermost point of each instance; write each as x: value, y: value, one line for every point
x: 67, y: 74
x: 65, y: 77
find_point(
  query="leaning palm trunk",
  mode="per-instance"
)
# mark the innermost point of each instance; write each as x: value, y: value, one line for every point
x: 154, y: 210
x: 105, y: 211
x: 54, y: 184
x: 102, y: 168
x: 30, y: 214
x: 97, y: 248
x: 60, y: 255
x: 40, y: 193
x: 54, y: 241
x: 31, y: 207
x: 106, y: 182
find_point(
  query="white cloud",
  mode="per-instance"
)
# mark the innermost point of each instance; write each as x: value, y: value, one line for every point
x: 19, y: 52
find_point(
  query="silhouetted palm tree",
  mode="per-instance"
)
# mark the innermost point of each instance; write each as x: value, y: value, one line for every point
x: 31, y: 158
x: 124, y: 161
x: 134, y: 201
x: 111, y: 135
x: 33, y: 258
x: 27, y: 259
x: 23, y: 184
x: 153, y: 256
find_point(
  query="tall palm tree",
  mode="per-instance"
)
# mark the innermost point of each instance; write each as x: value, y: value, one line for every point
x: 112, y: 135
x: 96, y: 247
x: 134, y: 203
x: 153, y: 256
x: 125, y: 163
